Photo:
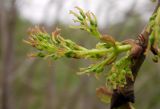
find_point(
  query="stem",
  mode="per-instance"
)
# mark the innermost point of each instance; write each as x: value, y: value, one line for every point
x: 124, y: 48
x: 119, y: 49
x: 97, y: 34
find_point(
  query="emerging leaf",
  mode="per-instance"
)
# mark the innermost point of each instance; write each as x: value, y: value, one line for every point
x: 87, y: 20
x: 104, y: 94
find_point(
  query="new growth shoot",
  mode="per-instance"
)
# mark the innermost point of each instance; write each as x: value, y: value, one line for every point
x: 55, y: 46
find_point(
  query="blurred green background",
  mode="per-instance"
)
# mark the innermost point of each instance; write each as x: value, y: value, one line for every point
x: 29, y: 83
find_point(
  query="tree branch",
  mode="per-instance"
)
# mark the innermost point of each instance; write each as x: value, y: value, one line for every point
x: 122, y: 97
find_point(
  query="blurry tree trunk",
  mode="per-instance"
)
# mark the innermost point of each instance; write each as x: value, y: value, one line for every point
x: 7, y: 23
x: 81, y: 90
x: 28, y: 96
x: 27, y: 82
x: 50, y: 91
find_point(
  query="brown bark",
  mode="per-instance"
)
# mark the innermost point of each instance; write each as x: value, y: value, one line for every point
x: 122, y: 97
x: 7, y: 21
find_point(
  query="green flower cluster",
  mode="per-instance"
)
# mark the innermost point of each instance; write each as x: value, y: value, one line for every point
x: 55, y: 46
x: 39, y: 39
x: 119, y: 71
